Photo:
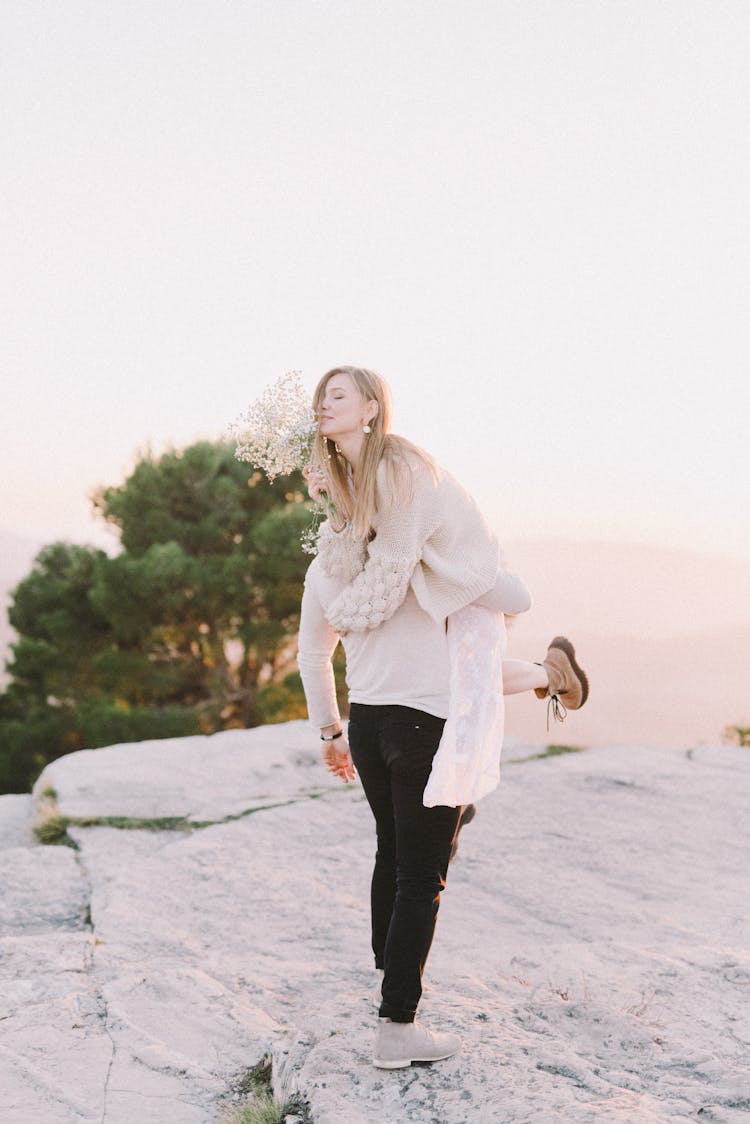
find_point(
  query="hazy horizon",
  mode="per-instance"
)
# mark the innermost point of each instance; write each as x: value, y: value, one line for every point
x: 663, y: 633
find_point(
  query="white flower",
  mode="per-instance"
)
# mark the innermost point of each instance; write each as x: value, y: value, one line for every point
x: 276, y: 432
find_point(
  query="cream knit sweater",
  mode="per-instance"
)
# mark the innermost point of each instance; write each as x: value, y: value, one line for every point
x: 438, y: 544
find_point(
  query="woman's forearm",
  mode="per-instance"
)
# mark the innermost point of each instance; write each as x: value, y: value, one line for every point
x: 320, y: 693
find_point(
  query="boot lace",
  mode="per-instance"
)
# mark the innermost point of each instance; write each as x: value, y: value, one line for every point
x: 558, y: 708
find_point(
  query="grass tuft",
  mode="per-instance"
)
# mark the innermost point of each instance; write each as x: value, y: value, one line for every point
x: 53, y: 830
x: 52, y: 826
x: 737, y: 735
x: 556, y: 750
x: 136, y: 823
x: 549, y: 751
x: 260, y: 1106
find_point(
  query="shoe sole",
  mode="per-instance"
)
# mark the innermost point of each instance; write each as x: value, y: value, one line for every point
x: 565, y: 645
x: 379, y: 1063
x: 402, y: 1063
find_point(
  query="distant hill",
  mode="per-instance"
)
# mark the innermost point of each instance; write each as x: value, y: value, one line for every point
x: 622, y: 589
x: 664, y: 635
x: 645, y: 691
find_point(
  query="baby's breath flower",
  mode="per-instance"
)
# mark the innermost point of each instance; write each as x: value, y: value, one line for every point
x: 308, y: 540
x: 276, y: 432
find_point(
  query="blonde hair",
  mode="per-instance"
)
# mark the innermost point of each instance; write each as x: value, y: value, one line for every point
x: 358, y: 504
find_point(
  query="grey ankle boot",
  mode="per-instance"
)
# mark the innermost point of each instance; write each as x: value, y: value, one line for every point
x: 397, y: 1045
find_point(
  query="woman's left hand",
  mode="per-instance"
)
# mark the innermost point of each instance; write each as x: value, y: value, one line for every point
x: 316, y: 481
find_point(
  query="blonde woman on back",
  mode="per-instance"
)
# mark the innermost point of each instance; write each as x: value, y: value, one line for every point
x: 406, y: 551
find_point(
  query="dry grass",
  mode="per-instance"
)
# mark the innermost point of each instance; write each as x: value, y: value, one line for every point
x: 259, y: 1106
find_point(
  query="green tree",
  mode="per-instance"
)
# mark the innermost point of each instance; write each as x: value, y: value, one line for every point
x: 182, y: 631
x: 212, y: 566
x: 58, y: 625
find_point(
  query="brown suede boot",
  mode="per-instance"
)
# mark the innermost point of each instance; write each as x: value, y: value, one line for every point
x: 567, y: 680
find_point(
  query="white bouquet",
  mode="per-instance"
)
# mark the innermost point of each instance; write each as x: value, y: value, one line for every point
x: 276, y: 432
x: 276, y: 435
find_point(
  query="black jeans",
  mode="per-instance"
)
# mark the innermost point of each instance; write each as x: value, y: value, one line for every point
x: 392, y: 748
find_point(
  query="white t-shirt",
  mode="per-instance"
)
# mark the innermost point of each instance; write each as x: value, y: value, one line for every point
x: 404, y: 661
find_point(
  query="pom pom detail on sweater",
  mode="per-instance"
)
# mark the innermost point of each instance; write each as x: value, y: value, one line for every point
x: 374, y: 595
x: 341, y: 555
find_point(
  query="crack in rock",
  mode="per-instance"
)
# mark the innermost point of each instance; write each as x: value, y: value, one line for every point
x: 113, y: 1054
x: 89, y: 972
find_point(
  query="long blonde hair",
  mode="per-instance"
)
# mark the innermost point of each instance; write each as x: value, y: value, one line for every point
x: 355, y: 497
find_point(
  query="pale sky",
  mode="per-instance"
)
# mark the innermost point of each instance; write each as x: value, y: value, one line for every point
x: 531, y: 217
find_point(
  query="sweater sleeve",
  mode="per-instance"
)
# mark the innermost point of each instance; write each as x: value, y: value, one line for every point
x: 508, y: 595
x: 380, y: 587
x: 317, y: 643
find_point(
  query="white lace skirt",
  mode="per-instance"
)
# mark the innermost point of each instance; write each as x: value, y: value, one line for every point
x: 467, y: 764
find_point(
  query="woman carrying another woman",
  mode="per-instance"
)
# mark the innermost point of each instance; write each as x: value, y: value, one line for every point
x: 406, y: 550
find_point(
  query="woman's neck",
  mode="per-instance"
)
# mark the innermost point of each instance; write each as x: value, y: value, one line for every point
x: 351, y: 448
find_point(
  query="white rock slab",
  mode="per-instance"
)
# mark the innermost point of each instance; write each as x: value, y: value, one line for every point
x: 197, y: 954
x: 55, y: 1051
x: 40, y: 888
x: 204, y: 778
x: 592, y: 947
x: 16, y: 817
x: 54, y: 1046
x: 592, y: 950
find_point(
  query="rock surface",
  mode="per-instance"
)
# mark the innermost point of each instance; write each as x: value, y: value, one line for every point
x: 592, y: 947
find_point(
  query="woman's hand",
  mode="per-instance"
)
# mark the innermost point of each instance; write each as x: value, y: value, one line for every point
x: 316, y: 481
x: 317, y: 486
x: 337, y: 759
